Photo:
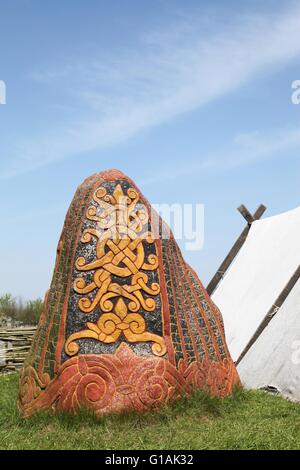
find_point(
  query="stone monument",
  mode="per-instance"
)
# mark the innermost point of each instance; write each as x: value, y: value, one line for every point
x: 126, y: 323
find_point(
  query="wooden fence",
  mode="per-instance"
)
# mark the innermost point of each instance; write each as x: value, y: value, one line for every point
x: 14, y: 346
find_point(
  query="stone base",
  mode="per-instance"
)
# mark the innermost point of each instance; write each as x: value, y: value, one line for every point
x: 121, y: 382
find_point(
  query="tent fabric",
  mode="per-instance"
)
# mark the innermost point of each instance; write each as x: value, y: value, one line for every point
x: 274, y: 359
x: 263, y: 267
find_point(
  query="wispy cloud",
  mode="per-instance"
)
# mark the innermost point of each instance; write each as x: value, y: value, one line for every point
x: 243, y: 149
x: 169, y: 73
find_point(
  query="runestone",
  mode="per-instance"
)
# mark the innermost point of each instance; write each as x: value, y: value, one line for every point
x: 126, y: 323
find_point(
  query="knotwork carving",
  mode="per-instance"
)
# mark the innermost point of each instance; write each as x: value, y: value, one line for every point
x: 121, y: 233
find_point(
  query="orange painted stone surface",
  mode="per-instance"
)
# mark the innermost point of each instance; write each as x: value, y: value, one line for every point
x: 126, y: 322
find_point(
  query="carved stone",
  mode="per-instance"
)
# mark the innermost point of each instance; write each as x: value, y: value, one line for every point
x: 126, y: 323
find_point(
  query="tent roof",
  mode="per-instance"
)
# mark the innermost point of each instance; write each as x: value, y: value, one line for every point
x: 274, y: 359
x: 265, y: 264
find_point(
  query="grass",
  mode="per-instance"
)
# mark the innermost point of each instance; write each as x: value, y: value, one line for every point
x: 247, y: 420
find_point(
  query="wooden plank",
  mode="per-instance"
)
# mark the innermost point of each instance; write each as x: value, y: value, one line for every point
x: 272, y: 312
x: 16, y: 342
x: 236, y: 247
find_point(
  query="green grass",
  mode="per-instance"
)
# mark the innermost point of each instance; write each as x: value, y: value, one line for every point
x: 247, y: 420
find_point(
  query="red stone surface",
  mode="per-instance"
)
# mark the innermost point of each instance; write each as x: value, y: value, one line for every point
x: 129, y: 375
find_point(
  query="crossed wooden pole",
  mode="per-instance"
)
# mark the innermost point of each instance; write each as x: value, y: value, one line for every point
x: 229, y: 259
x: 237, y: 246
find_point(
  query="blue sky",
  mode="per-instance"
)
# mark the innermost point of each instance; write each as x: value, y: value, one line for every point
x: 191, y: 99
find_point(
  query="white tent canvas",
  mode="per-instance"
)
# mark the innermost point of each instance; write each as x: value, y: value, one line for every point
x: 274, y: 359
x: 263, y: 267
x: 265, y: 264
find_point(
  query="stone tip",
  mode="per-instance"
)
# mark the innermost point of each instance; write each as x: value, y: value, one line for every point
x: 111, y: 174
x: 106, y: 175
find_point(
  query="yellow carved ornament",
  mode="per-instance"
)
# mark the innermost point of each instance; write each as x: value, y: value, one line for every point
x: 121, y: 224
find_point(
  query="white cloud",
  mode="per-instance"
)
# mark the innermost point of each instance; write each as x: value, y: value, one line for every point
x: 168, y: 74
x: 244, y: 148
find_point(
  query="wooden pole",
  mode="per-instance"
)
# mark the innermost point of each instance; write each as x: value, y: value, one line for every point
x: 272, y: 312
x: 237, y: 246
